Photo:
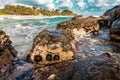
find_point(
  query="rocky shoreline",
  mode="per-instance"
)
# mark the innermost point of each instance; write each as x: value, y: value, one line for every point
x: 60, y: 55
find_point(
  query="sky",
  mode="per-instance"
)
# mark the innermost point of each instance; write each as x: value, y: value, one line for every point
x: 84, y: 7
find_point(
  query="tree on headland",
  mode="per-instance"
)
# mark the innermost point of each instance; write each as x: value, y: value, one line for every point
x: 17, y: 10
x: 57, y: 11
x: 66, y: 12
x: 9, y: 9
x: 23, y: 10
x: 35, y: 9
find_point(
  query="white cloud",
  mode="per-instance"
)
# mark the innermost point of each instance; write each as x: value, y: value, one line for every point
x: 82, y: 4
x: 117, y: 0
x: 64, y: 3
x: 91, y: 1
x: 48, y: 3
x: 100, y: 3
x: 7, y: 2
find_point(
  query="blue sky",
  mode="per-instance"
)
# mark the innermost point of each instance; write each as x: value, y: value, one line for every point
x: 86, y: 7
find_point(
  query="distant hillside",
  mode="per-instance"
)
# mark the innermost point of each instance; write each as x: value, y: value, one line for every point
x: 23, y: 10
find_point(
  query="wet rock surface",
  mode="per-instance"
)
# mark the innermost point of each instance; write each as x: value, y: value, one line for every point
x: 115, y: 30
x: 22, y: 70
x: 112, y: 14
x: 94, y: 45
x: 7, y: 54
x: 98, y: 68
x: 57, y: 71
x: 19, y: 70
x: 103, y: 67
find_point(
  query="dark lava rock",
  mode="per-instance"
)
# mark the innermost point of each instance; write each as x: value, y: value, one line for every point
x: 115, y: 30
x: 104, y: 67
x: 98, y: 68
x: 82, y: 26
x: 113, y: 14
x: 22, y: 70
x: 19, y: 70
x: 7, y: 54
x: 58, y: 71
x: 52, y: 46
x: 78, y: 17
x: 103, y: 22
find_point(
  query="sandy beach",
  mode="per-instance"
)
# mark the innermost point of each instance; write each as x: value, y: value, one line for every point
x: 29, y: 16
x: 21, y: 16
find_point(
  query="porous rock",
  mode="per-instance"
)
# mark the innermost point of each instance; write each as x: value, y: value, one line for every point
x: 103, y: 67
x: 99, y: 68
x: 115, y: 30
x: 78, y: 17
x: 59, y: 71
x: 52, y: 46
x: 112, y: 14
x: 80, y: 26
x: 7, y: 54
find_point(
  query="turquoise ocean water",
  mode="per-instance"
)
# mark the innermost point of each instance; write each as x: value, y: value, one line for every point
x: 22, y: 31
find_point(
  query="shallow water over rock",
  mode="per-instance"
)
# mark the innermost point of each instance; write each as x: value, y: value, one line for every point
x: 94, y: 45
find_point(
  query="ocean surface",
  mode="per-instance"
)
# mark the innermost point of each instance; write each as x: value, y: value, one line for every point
x: 23, y: 31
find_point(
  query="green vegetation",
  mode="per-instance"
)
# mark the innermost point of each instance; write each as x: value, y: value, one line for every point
x: 23, y: 10
x: 66, y: 12
x: 2, y: 13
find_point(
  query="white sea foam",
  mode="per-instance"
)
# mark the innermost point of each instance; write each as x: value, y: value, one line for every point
x: 1, y: 18
x: 32, y: 17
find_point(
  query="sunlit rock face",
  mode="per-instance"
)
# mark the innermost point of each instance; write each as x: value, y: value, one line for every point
x: 80, y: 26
x: 7, y: 54
x: 115, y: 30
x: 52, y: 46
x: 112, y: 14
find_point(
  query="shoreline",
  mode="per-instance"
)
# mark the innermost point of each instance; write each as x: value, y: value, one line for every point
x: 29, y: 16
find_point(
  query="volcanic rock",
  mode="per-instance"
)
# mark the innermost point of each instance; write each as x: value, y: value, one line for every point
x: 115, y: 30
x: 101, y: 67
x: 112, y: 14
x: 7, y: 54
x: 78, y: 17
x: 98, y: 68
x: 52, y: 46
x: 58, y: 71
x: 80, y: 27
